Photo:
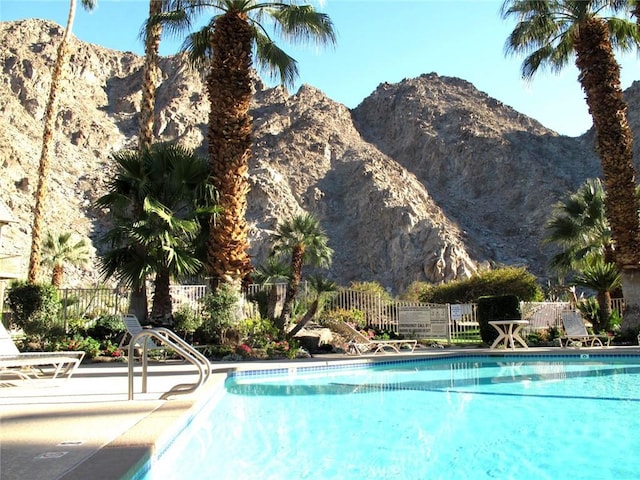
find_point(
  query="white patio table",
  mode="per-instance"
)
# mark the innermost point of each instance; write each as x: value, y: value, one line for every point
x: 509, y: 330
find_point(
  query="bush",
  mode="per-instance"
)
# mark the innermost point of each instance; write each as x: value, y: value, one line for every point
x: 342, y: 315
x: 502, y: 307
x: 186, y: 320
x: 35, y: 309
x: 373, y: 288
x: 107, y: 328
x: 76, y: 326
x: 89, y: 345
x: 218, y: 314
x: 258, y: 332
x: 502, y: 281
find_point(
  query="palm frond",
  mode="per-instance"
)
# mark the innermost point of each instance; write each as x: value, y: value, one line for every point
x: 302, y: 23
x: 273, y: 60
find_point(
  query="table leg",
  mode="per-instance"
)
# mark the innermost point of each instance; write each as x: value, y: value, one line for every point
x: 516, y: 335
x: 502, y: 336
x: 513, y: 347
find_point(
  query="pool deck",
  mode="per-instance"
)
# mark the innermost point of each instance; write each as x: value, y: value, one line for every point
x: 85, y: 427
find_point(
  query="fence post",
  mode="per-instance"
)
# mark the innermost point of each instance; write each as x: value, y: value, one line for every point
x: 64, y: 309
x: 449, y: 323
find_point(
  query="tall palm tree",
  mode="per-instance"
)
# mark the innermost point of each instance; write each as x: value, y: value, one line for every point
x: 305, y: 243
x: 579, y: 226
x: 170, y: 184
x: 550, y: 33
x: 49, y: 121
x: 226, y: 47
x: 151, y: 35
x: 60, y: 250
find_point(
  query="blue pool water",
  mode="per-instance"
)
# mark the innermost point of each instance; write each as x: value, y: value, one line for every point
x: 464, y: 418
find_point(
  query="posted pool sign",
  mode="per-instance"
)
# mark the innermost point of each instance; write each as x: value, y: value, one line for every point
x: 428, y: 321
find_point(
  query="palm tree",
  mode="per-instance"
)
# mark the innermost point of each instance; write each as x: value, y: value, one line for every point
x: 151, y: 34
x: 579, y: 226
x: 170, y: 184
x: 304, y: 242
x: 60, y: 250
x: 49, y: 120
x: 550, y: 33
x: 320, y: 286
x: 226, y: 47
x: 603, y: 278
x: 271, y: 273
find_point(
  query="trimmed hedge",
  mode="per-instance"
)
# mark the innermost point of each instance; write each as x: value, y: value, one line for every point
x: 498, y: 307
x: 503, y: 281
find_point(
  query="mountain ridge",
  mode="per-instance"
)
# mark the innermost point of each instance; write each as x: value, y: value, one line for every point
x: 428, y: 179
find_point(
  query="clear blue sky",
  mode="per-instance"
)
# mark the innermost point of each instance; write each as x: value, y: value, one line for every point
x: 380, y: 41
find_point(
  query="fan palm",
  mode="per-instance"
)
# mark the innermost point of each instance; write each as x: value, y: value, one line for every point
x: 550, y: 33
x: 169, y: 183
x: 603, y: 278
x: 60, y: 250
x: 272, y: 272
x: 226, y: 48
x: 49, y: 121
x: 579, y: 226
x: 305, y: 243
x: 320, y: 286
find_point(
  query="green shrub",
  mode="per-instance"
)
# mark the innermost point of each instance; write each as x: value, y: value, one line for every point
x: 501, y: 307
x: 35, y: 309
x: 218, y: 314
x: 373, y: 288
x: 186, y: 320
x: 258, y: 332
x: 110, y: 349
x: 589, y: 308
x: 283, y: 349
x: 502, y: 281
x: 107, y: 328
x: 76, y: 326
x: 261, y: 299
x: 89, y: 345
x: 415, y: 291
x: 342, y: 315
x: 218, y: 351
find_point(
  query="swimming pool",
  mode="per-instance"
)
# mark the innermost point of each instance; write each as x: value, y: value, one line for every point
x: 480, y: 417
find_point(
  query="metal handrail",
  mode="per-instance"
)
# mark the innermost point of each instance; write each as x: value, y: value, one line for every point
x: 182, y: 348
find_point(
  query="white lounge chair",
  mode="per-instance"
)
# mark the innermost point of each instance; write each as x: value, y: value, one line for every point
x: 35, y: 364
x: 361, y: 344
x: 575, y: 331
x: 133, y: 327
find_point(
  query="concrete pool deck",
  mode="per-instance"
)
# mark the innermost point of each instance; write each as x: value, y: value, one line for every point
x: 85, y: 427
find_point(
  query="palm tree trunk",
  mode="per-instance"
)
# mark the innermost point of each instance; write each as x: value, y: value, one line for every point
x: 229, y: 88
x: 604, y: 302
x: 272, y: 301
x: 305, y: 319
x: 161, y: 307
x: 600, y: 79
x: 149, y: 78
x: 58, y: 274
x: 138, y: 302
x: 297, y: 260
x: 47, y: 139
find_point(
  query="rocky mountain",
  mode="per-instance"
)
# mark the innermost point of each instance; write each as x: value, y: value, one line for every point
x: 428, y: 179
